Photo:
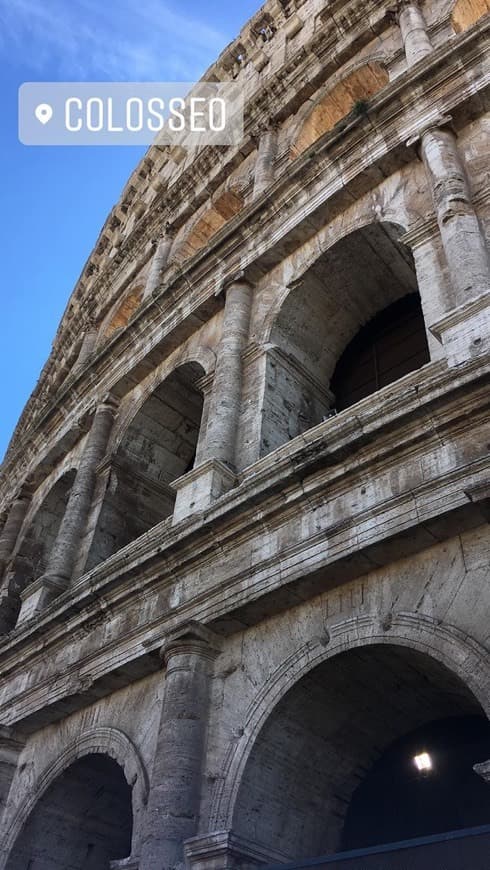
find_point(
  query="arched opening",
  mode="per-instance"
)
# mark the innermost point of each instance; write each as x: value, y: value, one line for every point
x: 159, y: 445
x: 31, y: 557
x: 366, y: 272
x: 350, y: 94
x: 224, y: 208
x: 348, y: 727
x: 391, y: 345
x: 82, y: 822
x: 124, y: 311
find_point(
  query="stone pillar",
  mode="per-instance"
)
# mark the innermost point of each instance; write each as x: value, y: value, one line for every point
x: 264, y: 167
x: 12, y: 527
x: 175, y: 788
x: 462, y: 238
x: 87, y: 347
x: 215, y: 473
x: 10, y: 749
x: 415, y: 38
x: 158, y: 263
x: 225, y: 850
x: 464, y: 327
x: 72, y: 528
x: 226, y: 395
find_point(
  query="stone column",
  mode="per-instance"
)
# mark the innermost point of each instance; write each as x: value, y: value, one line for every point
x: 415, y: 38
x: 87, y: 347
x: 12, y: 527
x: 72, y: 528
x: 175, y: 788
x: 264, y: 167
x: 462, y: 238
x: 215, y: 473
x: 10, y: 748
x: 158, y: 263
x: 226, y: 394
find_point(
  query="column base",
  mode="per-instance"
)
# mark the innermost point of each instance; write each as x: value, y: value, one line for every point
x: 199, y: 488
x: 38, y: 595
x: 465, y: 331
x: 125, y: 864
x: 224, y: 850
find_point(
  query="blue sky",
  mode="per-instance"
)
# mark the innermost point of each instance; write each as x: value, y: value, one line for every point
x: 55, y: 200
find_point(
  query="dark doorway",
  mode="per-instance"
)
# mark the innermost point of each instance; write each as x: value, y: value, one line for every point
x: 82, y: 822
x: 396, y: 801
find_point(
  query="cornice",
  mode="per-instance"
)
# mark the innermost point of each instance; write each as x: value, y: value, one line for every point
x: 434, y: 393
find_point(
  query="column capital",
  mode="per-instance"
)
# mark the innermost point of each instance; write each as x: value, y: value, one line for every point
x: 239, y: 277
x: 265, y: 125
x: 167, y: 234
x: 437, y: 123
x: 107, y: 403
x: 400, y: 6
x: 194, y: 638
x: 406, y: 4
x: 25, y: 492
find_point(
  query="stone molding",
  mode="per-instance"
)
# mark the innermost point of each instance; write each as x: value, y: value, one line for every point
x: 445, y: 643
x: 219, y: 849
x: 191, y: 639
x: 105, y: 740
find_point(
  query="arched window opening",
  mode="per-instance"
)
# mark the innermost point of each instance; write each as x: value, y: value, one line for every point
x: 326, y: 747
x: 391, y: 345
x: 224, y: 208
x: 158, y: 447
x: 365, y: 273
x: 82, y: 822
x: 124, y: 312
x: 350, y: 94
x: 31, y: 557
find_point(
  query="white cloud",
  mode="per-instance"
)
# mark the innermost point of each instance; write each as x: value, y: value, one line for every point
x: 90, y: 39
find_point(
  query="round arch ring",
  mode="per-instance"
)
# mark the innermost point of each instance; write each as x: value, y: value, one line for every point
x: 446, y: 644
x: 105, y: 741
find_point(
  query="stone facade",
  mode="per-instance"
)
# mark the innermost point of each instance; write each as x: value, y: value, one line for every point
x: 226, y: 591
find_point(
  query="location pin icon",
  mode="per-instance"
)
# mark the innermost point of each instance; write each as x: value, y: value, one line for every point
x: 43, y: 113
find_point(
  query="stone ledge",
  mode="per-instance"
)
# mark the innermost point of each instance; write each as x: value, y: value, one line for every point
x: 224, y: 849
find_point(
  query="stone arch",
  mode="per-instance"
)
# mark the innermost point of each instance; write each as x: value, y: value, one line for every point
x: 446, y: 645
x: 338, y: 230
x: 158, y: 444
x: 201, y: 357
x: 467, y: 12
x: 312, y: 322
x: 121, y: 313
x: 358, y: 84
x: 37, y: 537
x: 98, y: 741
x: 206, y: 225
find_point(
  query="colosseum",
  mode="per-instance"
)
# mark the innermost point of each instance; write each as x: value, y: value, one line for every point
x: 244, y: 540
